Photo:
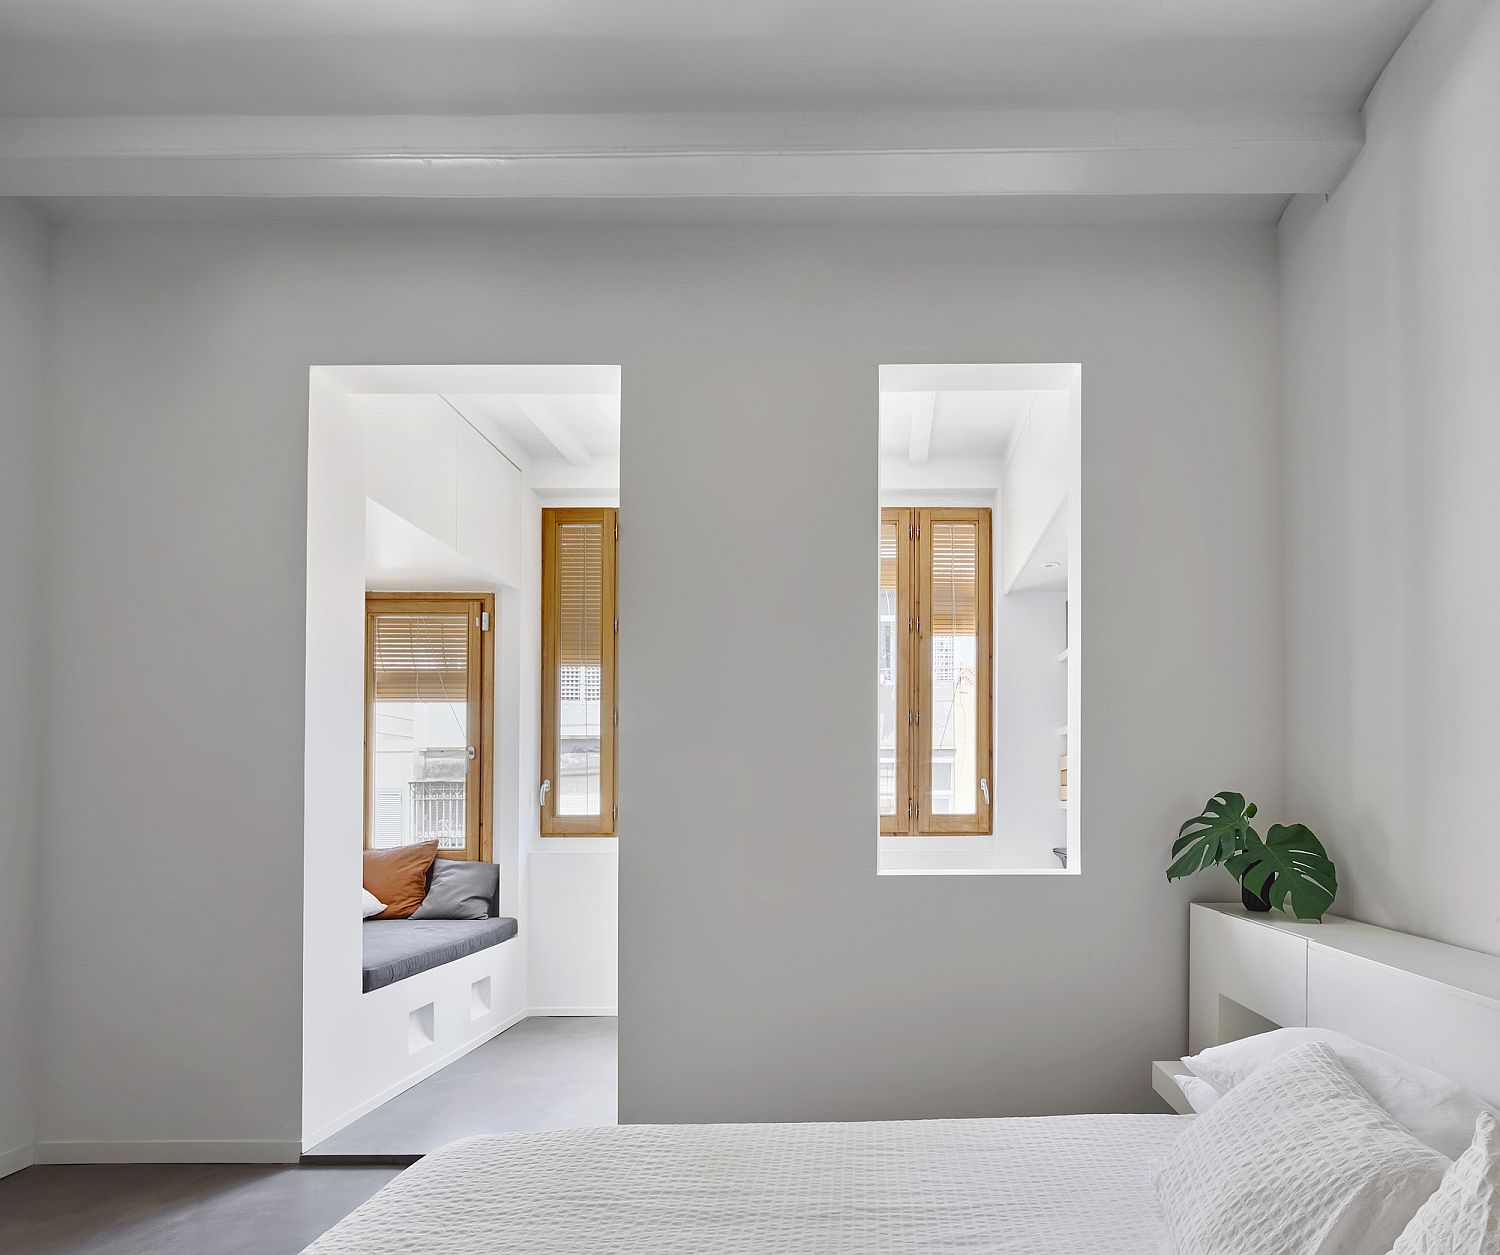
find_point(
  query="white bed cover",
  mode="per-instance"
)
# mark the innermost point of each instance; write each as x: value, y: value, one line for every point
x: 1057, y: 1185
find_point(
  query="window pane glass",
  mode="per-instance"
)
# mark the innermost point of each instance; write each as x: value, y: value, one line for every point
x: 420, y: 755
x: 955, y: 643
x: 887, y: 704
x: 580, y: 590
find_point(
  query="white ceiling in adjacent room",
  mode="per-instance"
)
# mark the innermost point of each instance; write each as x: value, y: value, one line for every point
x: 73, y: 57
x: 577, y: 427
x: 920, y: 426
x: 566, y: 414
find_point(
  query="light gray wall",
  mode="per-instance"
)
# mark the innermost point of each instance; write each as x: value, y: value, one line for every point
x: 1391, y: 327
x: 23, y: 305
x: 766, y: 972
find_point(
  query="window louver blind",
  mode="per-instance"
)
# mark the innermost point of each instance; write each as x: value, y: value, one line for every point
x: 955, y: 579
x: 421, y: 658
x: 580, y: 594
x: 887, y: 557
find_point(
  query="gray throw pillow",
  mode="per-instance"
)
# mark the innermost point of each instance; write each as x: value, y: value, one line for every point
x: 459, y: 891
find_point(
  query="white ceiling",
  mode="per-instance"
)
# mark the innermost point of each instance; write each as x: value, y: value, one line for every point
x: 580, y: 428
x: 537, y: 413
x: 937, y: 411
x: 950, y: 424
x: 79, y: 57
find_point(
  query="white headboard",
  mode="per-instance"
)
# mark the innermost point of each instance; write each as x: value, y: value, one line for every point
x: 1434, y: 1004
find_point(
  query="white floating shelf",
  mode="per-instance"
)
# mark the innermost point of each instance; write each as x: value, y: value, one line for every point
x: 1063, y: 657
x: 1064, y: 730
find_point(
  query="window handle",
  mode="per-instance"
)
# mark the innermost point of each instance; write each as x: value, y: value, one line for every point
x: 546, y: 789
x: 984, y: 787
x: 472, y: 753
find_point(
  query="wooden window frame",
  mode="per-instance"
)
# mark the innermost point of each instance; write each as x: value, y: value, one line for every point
x: 479, y: 803
x: 914, y: 672
x: 603, y: 824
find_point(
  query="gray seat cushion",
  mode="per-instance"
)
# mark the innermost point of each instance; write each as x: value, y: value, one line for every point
x: 398, y: 948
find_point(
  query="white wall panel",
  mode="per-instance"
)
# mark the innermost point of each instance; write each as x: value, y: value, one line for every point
x: 1391, y: 345
x: 23, y: 323
x: 487, y: 506
x: 413, y: 456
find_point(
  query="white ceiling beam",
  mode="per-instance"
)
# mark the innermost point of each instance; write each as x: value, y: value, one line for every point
x: 687, y: 155
x: 555, y: 433
x: 919, y: 443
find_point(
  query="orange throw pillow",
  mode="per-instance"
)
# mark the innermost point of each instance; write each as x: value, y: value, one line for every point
x: 399, y: 877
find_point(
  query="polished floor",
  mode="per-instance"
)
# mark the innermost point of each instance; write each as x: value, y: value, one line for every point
x: 177, y: 1209
x: 545, y: 1073
x: 541, y: 1074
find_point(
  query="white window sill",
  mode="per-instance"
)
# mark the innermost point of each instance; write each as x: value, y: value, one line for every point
x: 978, y: 871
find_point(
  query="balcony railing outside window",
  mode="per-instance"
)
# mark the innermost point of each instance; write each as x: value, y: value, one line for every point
x: 437, y: 812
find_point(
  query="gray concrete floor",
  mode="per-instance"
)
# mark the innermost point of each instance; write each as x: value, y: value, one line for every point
x: 545, y: 1073
x: 177, y: 1209
x: 541, y: 1074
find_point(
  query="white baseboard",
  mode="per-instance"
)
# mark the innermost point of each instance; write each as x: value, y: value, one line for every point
x: 545, y: 1011
x: 16, y: 1158
x: 168, y: 1152
x: 310, y: 1142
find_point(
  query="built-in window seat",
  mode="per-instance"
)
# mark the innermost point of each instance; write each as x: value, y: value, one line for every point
x: 398, y: 948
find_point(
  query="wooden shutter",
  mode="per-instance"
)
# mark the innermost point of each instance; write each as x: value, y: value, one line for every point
x: 953, y: 599
x: 896, y: 554
x: 937, y: 561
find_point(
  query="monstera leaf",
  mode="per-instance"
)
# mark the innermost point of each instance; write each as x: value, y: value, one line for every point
x: 1290, y: 862
x: 1215, y: 836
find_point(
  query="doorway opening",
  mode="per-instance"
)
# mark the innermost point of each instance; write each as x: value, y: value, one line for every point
x: 475, y: 989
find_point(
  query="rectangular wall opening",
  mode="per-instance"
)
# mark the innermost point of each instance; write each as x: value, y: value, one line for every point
x: 977, y: 631
x: 449, y: 739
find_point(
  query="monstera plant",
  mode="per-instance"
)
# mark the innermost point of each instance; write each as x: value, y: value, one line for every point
x: 1289, y: 865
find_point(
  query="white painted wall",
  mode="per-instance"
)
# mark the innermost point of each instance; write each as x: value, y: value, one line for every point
x: 766, y: 972
x: 23, y: 318
x: 1391, y: 335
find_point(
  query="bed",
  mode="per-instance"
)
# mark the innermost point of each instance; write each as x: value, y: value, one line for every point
x: 1055, y: 1185
x: 1377, y: 1143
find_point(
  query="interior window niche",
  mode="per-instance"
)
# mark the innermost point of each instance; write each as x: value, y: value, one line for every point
x: 978, y: 605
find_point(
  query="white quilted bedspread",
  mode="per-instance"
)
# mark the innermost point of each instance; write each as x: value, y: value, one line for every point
x: 1063, y: 1185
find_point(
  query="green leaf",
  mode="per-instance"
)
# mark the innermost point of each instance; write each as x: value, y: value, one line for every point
x: 1215, y: 836
x: 1290, y: 863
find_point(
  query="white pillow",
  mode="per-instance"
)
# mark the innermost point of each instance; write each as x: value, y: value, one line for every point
x: 1199, y: 1093
x: 373, y: 905
x: 1463, y: 1217
x: 1296, y: 1161
x: 1438, y: 1111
